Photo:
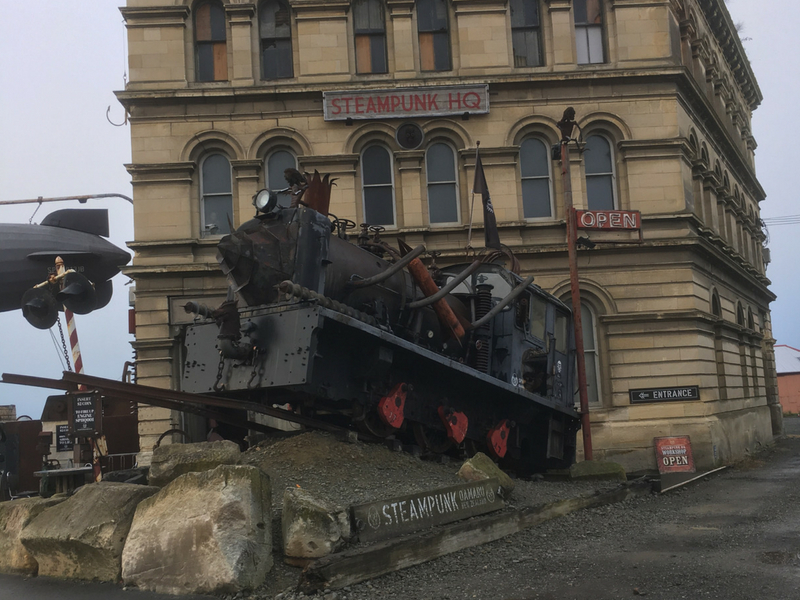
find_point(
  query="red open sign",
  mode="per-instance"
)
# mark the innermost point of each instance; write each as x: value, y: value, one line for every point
x: 609, y: 219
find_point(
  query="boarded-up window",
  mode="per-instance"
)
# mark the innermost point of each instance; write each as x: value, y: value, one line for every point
x: 440, y: 164
x: 215, y: 191
x: 369, y: 25
x: 589, y: 31
x: 211, y: 52
x: 525, y: 33
x: 376, y: 182
x: 434, y: 37
x: 534, y: 164
x: 275, y: 32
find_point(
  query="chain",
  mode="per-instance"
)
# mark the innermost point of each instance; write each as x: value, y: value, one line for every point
x: 64, y: 344
x: 256, y: 370
x: 220, y: 369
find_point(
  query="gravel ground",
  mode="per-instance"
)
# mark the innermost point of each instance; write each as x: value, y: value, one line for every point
x: 354, y: 473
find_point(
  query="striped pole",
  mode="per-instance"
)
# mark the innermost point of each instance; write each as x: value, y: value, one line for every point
x: 73, y: 333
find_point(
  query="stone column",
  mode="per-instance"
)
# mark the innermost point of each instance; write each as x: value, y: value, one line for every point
x: 409, y: 197
x: 240, y: 17
x: 322, y: 40
x: 563, y: 34
x: 156, y: 45
x: 403, y: 34
x: 246, y: 174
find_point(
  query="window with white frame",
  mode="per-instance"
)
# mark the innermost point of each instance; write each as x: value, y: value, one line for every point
x: 377, y: 185
x: 534, y: 166
x: 434, y: 35
x: 210, y: 47
x: 589, y: 31
x: 598, y: 159
x: 275, y: 32
x: 526, y: 33
x: 369, y: 26
x: 440, y: 167
x: 216, y: 212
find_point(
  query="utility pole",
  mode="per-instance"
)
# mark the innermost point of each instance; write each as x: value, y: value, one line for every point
x: 566, y: 125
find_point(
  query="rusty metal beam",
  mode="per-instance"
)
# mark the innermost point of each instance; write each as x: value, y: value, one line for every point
x: 42, y: 382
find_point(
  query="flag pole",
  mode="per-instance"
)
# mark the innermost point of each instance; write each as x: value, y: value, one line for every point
x: 472, y: 204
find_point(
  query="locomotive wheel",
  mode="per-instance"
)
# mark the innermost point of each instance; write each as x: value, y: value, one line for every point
x: 372, y: 424
x: 431, y: 440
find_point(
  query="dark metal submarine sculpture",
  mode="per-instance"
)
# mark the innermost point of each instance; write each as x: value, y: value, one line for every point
x: 466, y: 356
x: 28, y: 254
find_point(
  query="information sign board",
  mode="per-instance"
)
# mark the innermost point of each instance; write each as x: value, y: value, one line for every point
x: 63, y: 439
x: 674, y: 454
x: 85, y: 414
x: 398, y: 516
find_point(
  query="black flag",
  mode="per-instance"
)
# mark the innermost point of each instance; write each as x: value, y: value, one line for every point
x: 489, y: 220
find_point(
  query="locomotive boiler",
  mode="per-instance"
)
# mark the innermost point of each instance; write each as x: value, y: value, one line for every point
x: 360, y: 333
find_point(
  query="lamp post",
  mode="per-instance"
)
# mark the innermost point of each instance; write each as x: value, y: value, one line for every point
x: 566, y: 125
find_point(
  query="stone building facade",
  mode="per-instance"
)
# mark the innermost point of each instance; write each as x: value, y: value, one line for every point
x: 223, y: 95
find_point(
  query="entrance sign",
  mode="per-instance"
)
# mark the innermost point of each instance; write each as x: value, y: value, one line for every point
x: 689, y: 392
x: 398, y: 516
x: 406, y: 102
x: 674, y: 454
x: 629, y: 220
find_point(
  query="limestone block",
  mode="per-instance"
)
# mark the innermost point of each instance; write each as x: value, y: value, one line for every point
x: 173, y: 460
x: 481, y: 467
x: 311, y: 527
x: 82, y: 537
x: 597, y: 470
x: 14, y: 516
x: 204, y: 533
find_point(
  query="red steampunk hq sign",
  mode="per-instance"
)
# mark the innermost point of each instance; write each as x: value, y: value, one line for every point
x: 406, y: 102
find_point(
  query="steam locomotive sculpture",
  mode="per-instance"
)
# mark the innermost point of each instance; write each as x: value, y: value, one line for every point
x: 364, y: 335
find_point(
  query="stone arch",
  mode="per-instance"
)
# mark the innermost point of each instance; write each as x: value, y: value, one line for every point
x: 450, y: 130
x: 370, y: 132
x: 279, y: 136
x: 603, y: 121
x: 603, y: 300
x: 532, y: 125
x: 210, y: 140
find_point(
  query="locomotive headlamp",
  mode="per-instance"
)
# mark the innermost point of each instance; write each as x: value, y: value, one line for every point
x: 265, y: 201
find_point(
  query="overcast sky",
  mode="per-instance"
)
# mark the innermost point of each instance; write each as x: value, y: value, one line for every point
x: 61, y: 61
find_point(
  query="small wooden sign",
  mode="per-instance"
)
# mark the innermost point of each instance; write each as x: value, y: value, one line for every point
x: 63, y: 439
x: 609, y: 219
x: 86, y: 414
x: 674, y: 454
x: 398, y: 516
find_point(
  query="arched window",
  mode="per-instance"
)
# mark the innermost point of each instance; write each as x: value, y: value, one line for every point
x: 277, y: 162
x: 751, y: 324
x: 376, y: 181
x: 211, y: 51
x: 525, y: 33
x: 589, y: 31
x: 440, y: 166
x: 716, y: 310
x: 600, y: 194
x: 275, y: 32
x: 534, y: 166
x: 739, y: 314
x: 434, y: 35
x: 215, y: 193
x: 590, y: 353
x: 369, y: 26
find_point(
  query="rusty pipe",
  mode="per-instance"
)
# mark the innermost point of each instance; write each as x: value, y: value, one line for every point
x: 395, y: 268
x: 502, y: 304
x: 446, y: 289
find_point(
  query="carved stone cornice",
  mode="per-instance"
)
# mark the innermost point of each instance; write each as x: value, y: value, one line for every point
x: 155, y: 16
x: 556, y: 5
x: 240, y: 13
